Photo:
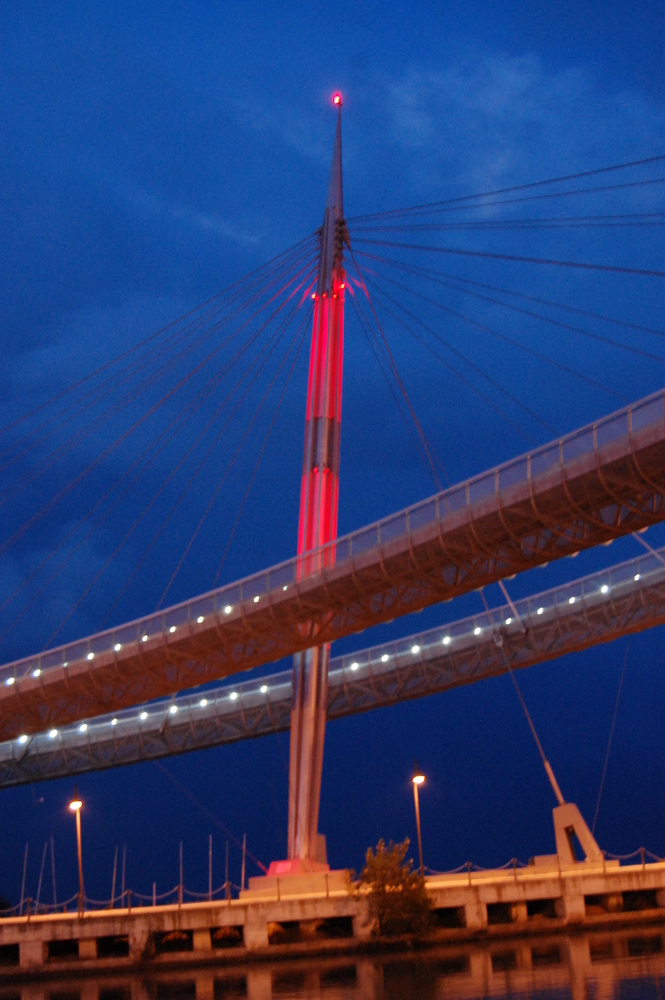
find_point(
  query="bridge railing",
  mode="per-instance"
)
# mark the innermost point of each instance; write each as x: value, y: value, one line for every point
x: 530, y: 470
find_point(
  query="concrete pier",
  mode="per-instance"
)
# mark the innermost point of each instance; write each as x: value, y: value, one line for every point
x: 326, y: 914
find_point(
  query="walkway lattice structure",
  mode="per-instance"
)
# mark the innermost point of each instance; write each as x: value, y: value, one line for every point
x: 598, y: 483
x: 598, y: 608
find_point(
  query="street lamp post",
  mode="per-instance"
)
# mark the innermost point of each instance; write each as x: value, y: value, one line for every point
x: 418, y: 779
x: 75, y: 805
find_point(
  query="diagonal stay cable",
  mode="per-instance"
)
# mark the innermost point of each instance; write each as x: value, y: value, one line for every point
x: 464, y: 358
x: 269, y: 346
x: 301, y: 332
x: 370, y: 336
x: 609, y: 744
x: 458, y: 374
x: 427, y: 447
x: 208, y: 390
x: 433, y: 209
x: 235, y: 455
x: 519, y: 187
x: 151, y: 504
x: 545, y: 319
x: 523, y: 347
x: 130, y: 396
x: 434, y: 275
x: 69, y: 486
x: 151, y: 337
x: 209, y: 815
x: 487, y: 255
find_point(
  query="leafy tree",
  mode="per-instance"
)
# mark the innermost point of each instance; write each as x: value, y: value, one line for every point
x: 398, y: 897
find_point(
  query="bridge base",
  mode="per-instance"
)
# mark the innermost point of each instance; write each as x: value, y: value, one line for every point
x: 315, y: 879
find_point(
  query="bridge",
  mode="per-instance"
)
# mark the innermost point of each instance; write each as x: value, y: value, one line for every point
x: 116, y: 696
x: 589, y: 487
x: 601, y: 607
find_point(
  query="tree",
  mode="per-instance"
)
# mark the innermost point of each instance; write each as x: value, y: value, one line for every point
x: 398, y: 898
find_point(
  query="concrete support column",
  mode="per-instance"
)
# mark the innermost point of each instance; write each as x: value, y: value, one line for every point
x: 571, y: 907
x: 201, y: 940
x: 363, y: 922
x: 475, y: 915
x: 88, y: 948
x: 139, y: 938
x: 255, y: 931
x: 518, y: 912
x: 31, y: 953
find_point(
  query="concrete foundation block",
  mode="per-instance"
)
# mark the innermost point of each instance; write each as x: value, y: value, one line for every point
x: 88, y: 948
x: 32, y: 953
x: 475, y: 915
x: 571, y: 907
x: 201, y: 940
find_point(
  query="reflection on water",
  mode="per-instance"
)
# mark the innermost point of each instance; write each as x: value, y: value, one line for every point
x: 626, y: 965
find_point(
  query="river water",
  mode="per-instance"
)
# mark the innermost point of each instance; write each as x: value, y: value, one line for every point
x: 626, y: 965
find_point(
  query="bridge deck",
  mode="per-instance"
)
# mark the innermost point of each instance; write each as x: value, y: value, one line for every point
x: 588, y: 487
x: 597, y: 608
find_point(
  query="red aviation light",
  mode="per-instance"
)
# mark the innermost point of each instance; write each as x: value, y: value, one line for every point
x: 337, y: 98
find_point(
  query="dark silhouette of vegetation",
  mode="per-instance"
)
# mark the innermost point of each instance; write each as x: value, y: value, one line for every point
x: 398, y: 899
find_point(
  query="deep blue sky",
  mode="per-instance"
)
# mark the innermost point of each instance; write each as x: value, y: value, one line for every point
x: 152, y: 154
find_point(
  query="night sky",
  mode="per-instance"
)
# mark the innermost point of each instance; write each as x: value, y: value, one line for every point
x: 153, y: 154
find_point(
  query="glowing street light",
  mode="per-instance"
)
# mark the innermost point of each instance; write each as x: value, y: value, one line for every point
x: 75, y: 805
x: 418, y: 779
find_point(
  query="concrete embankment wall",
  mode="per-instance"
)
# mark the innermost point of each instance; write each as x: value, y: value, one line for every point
x: 495, y: 903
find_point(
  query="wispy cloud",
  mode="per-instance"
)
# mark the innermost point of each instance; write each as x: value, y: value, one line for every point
x: 498, y: 119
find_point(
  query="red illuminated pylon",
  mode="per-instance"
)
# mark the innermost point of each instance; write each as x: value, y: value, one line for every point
x: 318, y: 512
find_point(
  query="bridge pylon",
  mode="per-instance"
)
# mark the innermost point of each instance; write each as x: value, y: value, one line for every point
x: 318, y: 516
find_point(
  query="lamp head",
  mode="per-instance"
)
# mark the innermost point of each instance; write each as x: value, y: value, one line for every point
x: 76, y: 803
x: 418, y: 777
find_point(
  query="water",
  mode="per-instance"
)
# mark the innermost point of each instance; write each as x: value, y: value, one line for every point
x: 626, y: 965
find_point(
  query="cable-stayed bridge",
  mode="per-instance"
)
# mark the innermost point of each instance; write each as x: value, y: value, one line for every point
x: 597, y: 608
x: 73, y: 707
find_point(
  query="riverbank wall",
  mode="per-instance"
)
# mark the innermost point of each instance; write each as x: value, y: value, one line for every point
x: 325, y: 914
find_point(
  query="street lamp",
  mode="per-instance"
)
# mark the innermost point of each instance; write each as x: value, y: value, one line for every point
x: 418, y: 779
x: 75, y: 805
